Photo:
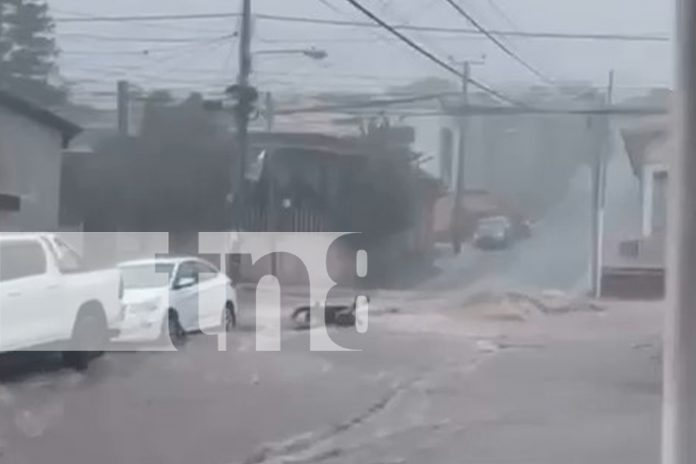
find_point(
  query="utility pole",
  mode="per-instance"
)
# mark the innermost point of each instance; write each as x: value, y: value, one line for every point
x: 273, y: 216
x: 269, y: 111
x: 679, y: 384
x: 244, y: 107
x: 123, y: 107
x: 455, y: 224
x: 599, y: 187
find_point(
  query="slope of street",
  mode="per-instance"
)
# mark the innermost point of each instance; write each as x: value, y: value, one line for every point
x: 556, y: 256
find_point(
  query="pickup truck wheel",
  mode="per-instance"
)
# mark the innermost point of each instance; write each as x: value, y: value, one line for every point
x: 90, y: 332
x: 172, y: 331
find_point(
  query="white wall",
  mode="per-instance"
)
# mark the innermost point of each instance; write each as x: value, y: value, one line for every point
x: 653, y: 198
x: 30, y: 166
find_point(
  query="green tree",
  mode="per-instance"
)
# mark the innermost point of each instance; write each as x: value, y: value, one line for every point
x: 28, y: 51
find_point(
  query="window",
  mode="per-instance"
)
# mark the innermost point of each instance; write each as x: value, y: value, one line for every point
x: 205, y: 271
x: 68, y: 260
x: 186, y: 270
x: 138, y: 276
x: 19, y: 259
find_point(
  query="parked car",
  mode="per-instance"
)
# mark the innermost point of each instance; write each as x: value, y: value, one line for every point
x: 48, y: 300
x: 493, y: 232
x: 167, y: 298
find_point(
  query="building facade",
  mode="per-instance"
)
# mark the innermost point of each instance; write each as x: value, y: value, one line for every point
x: 31, y: 143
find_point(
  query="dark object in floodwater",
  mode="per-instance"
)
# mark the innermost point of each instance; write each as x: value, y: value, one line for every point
x: 338, y: 315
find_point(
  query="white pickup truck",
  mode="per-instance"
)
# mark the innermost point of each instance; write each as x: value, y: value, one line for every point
x: 48, y: 301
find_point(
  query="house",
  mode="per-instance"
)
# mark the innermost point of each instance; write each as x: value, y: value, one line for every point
x: 315, y: 182
x: 634, y: 265
x: 32, y: 139
x: 649, y: 147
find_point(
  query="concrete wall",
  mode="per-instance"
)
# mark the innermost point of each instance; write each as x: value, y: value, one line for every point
x: 30, y: 165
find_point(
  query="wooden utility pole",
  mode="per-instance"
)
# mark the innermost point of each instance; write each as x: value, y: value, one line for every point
x: 123, y: 107
x: 273, y: 220
x: 243, y: 107
x: 456, y: 221
x: 679, y: 384
x: 599, y: 187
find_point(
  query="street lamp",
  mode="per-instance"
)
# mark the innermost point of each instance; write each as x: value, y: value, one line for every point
x: 313, y: 53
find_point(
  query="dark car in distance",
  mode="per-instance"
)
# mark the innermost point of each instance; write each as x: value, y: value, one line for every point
x: 493, y: 233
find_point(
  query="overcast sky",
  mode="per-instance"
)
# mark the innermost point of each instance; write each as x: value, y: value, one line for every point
x: 96, y: 54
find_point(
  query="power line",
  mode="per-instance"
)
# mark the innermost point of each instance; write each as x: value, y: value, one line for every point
x: 498, y: 43
x: 187, y: 46
x: 331, y: 7
x: 150, y: 77
x: 112, y: 38
x: 333, y: 22
x: 207, y: 76
x: 381, y: 37
x: 429, y: 55
x: 504, y: 15
x: 485, y: 110
x: 137, y: 18
x: 352, y: 40
x: 371, y: 77
x: 157, y: 26
x: 386, y: 6
x: 454, y: 30
x: 416, y: 12
x: 376, y: 34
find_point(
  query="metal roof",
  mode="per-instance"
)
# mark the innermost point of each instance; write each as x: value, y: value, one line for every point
x: 40, y: 114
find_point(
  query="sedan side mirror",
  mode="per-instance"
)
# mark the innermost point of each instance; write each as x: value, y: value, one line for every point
x: 184, y: 282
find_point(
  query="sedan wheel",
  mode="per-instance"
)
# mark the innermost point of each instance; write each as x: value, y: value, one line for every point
x: 173, y: 330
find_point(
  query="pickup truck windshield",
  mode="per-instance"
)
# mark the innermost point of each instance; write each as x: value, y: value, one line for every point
x: 67, y: 259
x: 147, y: 275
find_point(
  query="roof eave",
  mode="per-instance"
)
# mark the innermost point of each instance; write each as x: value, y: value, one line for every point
x: 67, y: 128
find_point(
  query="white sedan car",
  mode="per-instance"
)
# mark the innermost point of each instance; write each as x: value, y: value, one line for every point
x: 170, y: 297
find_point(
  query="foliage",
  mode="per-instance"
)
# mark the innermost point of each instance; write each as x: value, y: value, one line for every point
x: 28, y: 51
x: 174, y: 176
x: 185, y: 167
